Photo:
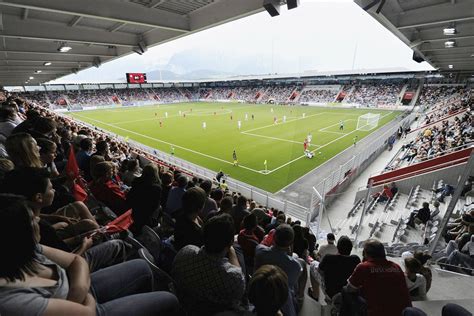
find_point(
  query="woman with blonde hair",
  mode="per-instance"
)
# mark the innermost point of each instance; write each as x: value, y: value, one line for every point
x: 23, y: 151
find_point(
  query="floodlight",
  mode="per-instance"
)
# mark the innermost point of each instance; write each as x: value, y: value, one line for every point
x: 449, y: 30
x: 450, y: 66
x: 64, y: 48
x: 31, y: 78
x: 38, y: 71
x: 272, y: 7
x: 48, y: 63
x: 449, y: 44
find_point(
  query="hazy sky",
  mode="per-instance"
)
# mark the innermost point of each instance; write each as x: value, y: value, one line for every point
x: 321, y: 35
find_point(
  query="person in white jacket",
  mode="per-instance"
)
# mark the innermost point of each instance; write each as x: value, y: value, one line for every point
x: 416, y: 282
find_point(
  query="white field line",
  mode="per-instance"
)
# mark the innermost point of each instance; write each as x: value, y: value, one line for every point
x: 171, y: 144
x: 322, y: 146
x: 276, y: 138
x: 288, y: 121
x: 189, y: 113
x: 225, y: 161
x: 324, y: 129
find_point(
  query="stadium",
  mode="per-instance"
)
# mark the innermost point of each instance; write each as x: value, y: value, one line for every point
x: 308, y: 192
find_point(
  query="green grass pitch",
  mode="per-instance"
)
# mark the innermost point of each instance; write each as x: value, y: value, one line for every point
x: 258, y: 140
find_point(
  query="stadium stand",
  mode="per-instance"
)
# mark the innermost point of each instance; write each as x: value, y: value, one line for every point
x: 106, y: 177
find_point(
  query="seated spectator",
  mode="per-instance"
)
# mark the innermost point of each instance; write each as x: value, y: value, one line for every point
x: 47, y: 155
x: 107, y: 191
x: 329, y: 249
x: 416, y: 282
x: 300, y: 244
x: 334, y: 270
x: 209, y: 279
x: 210, y: 204
x: 239, y: 211
x: 424, y: 271
x: 385, y: 195
x: 131, y: 172
x: 144, y: 198
x: 7, y: 123
x: 37, y: 279
x: 175, y: 195
x: 226, y: 205
x: 188, y: 228
x: 83, y: 156
x: 102, y: 149
x: 380, y: 282
x: 268, y: 290
x: 420, y: 216
x: 281, y: 255
x: 23, y: 151
x: 249, y: 238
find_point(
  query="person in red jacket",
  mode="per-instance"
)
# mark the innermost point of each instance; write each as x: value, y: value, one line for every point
x: 380, y: 282
x: 106, y: 190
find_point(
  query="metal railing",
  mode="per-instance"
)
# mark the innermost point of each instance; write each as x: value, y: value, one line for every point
x: 339, y: 175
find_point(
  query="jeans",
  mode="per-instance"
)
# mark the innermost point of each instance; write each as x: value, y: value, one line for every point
x: 124, y: 289
x: 106, y: 254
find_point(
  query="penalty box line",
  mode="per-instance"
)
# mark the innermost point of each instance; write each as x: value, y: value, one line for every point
x: 171, y: 144
x: 322, y: 146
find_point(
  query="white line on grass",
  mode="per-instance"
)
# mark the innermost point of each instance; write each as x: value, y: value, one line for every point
x: 276, y: 138
x: 322, y: 146
x: 324, y: 129
x: 171, y: 144
x: 288, y: 121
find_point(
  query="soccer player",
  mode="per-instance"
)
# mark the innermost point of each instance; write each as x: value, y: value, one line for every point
x: 239, y: 124
x: 203, y: 125
x: 172, y: 150
x: 161, y: 123
x: 284, y: 118
x: 274, y: 120
x: 355, y: 140
x: 166, y: 114
x: 305, y: 144
x: 341, y: 125
x: 231, y: 118
x: 253, y: 117
x: 246, y: 117
x: 234, y: 156
x: 156, y: 114
x: 271, y: 110
x: 304, y: 115
x: 309, y: 137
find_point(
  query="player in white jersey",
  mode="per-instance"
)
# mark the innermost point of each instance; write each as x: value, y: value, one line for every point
x: 239, y: 124
x: 204, y: 125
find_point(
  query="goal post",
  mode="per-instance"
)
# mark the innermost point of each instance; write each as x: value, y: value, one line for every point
x: 368, y: 122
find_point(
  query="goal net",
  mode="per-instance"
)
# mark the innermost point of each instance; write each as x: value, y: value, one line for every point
x: 368, y: 121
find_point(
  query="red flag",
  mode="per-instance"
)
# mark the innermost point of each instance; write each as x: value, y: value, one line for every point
x: 121, y: 223
x: 72, y: 169
x: 79, y: 193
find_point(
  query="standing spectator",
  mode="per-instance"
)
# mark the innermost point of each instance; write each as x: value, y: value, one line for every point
x: 380, y: 282
x: 249, y: 238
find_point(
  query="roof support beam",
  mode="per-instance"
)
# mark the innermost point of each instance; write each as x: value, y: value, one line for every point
x: 48, y: 31
x: 118, y: 11
x: 24, y: 14
x: 74, y: 21
x: 1, y: 21
x: 438, y: 14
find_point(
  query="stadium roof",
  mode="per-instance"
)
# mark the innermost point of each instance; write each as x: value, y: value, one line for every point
x: 420, y: 24
x: 33, y: 31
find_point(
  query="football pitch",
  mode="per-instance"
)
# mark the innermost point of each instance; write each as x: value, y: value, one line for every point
x: 258, y: 140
